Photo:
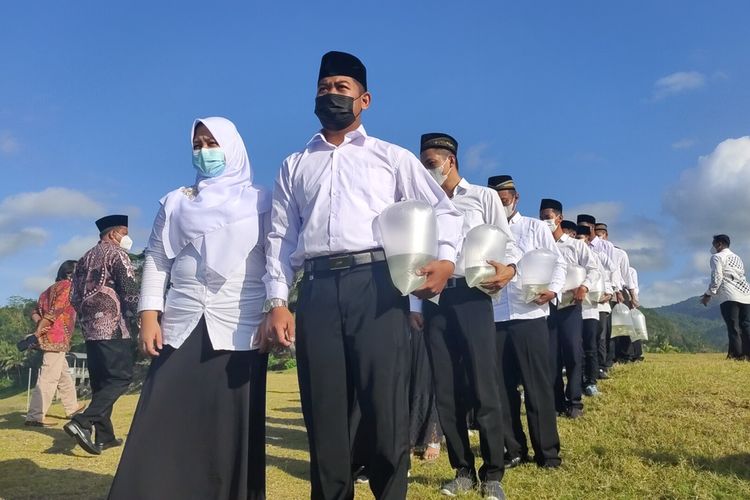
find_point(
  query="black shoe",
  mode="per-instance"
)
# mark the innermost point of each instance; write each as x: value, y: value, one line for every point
x: 110, y: 444
x: 551, y: 464
x: 603, y: 375
x: 515, y: 461
x: 82, y: 436
x: 574, y: 413
x: 464, y: 483
x: 491, y: 490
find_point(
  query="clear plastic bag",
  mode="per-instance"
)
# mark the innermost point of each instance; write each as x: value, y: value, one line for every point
x: 622, y: 321
x: 535, y: 272
x: 482, y: 243
x: 408, y: 230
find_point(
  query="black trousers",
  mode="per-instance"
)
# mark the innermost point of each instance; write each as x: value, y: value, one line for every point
x: 737, y: 318
x: 110, y: 364
x: 623, y: 349
x: 605, y: 325
x: 462, y: 344
x: 590, y: 351
x: 523, y: 349
x: 353, y: 342
x: 566, y: 350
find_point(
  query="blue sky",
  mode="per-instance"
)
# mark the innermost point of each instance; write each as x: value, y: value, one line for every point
x: 608, y: 106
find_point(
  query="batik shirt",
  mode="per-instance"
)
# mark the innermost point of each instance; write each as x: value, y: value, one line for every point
x: 105, y: 292
x: 54, y: 306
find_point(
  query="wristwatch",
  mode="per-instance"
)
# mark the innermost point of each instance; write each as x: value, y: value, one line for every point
x: 271, y: 303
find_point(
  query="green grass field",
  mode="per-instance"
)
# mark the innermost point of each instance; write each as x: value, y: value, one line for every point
x: 676, y: 426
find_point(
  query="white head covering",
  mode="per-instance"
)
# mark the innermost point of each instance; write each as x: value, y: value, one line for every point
x: 207, y: 219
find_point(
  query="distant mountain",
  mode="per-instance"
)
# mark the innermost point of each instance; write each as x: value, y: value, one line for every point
x: 688, y: 325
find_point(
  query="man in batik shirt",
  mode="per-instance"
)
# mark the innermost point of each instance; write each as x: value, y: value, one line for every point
x: 105, y: 294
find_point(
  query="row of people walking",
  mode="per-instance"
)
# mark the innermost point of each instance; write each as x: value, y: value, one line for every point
x: 219, y: 265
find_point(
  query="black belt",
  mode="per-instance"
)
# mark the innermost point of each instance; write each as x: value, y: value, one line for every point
x: 456, y: 283
x: 342, y: 261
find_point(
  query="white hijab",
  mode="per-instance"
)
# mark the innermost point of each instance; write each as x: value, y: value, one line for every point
x: 211, y: 220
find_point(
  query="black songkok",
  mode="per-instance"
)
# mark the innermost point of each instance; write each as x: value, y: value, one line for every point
x: 569, y: 225
x: 550, y: 203
x: 111, y: 221
x: 583, y: 230
x: 342, y: 64
x: 438, y: 140
x: 501, y: 182
x: 586, y: 218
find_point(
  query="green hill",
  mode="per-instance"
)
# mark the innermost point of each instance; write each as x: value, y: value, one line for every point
x: 687, y: 326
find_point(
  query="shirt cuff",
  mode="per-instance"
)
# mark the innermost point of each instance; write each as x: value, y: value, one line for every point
x: 415, y: 304
x: 446, y: 252
x: 277, y: 290
x: 147, y: 303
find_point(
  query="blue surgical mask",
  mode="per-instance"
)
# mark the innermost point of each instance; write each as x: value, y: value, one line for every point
x: 209, y: 162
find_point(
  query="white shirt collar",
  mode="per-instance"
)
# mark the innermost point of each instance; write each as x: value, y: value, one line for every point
x: 515, y: 219
x: 352, y: 136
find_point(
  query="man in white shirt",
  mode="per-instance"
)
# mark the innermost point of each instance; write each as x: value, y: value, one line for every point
x: 624, y: 348
x: 730, y: 287
x: 565, y: 321
x: 523, y: 339
x: 460, y: 332
x: 591, y: 328
x: 351, y: 322
x: 569, y: 228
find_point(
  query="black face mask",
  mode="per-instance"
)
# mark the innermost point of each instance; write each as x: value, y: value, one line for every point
x: 335, y: 111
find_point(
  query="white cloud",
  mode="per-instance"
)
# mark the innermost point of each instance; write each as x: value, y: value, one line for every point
x: 11, y: 243
x: 8, y: 143
x: 714, y: 196
x: 677, y: 83
x: 604, y: 211
x: 475, y: 158
x: 53, y: 202
x: 74, y: 248
x: 683, y: 144
x: 663, y: 293
x: 645, y: 242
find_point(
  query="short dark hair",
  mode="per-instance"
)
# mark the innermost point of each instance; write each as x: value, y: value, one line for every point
x: 722, y: 238
x: 66, y: 268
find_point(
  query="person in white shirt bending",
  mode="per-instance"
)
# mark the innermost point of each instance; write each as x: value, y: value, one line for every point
x: 730, y: 287
x: 199, y: 428
x: 351, y: 322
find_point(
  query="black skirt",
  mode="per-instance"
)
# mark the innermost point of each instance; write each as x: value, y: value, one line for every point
x: 199, y: 429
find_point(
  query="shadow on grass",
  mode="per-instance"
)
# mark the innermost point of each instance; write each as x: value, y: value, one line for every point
x: 737, y: 465
x: 289, y: 409
x: 292, y: 466
x: 299, y: 422
x: 22, y: 478
x: 286, y: 438
x: 61, y: 442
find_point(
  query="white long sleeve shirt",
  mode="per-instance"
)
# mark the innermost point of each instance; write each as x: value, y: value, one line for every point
x: 635, y: 290
x: 592, y: 311
x: 577, y: 252
x: 622, y: 261
x: 530, y: 234
x: 326, y: 199
x: 479, y: 205
x: 233, y: 308
x: 608, y: 249
x: 728, y: 281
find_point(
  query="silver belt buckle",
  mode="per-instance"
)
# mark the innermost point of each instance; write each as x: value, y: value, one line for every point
x: 338, y: 263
